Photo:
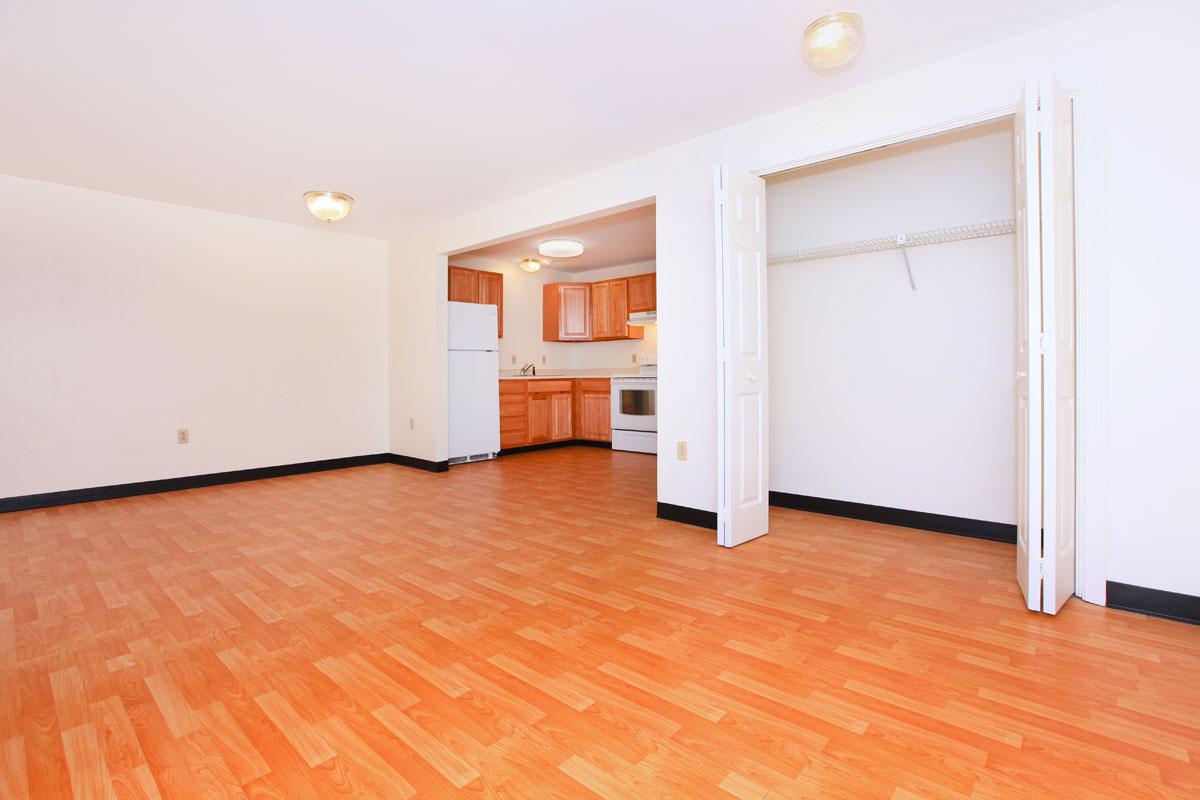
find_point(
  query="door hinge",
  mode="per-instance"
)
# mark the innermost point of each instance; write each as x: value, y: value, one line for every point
x: 1041, y: 569
x: 1042, y: 344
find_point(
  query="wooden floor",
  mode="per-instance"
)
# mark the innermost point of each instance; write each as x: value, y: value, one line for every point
x: 526, y: 628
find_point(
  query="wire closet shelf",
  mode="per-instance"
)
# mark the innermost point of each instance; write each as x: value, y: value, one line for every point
x: 958, y: 233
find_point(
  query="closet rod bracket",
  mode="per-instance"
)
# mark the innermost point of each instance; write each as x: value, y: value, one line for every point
x: 902, y: 243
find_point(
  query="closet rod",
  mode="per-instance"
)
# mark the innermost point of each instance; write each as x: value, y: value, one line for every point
x: 958, y: 233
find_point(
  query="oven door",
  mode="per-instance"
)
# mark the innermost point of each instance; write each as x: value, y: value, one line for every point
x: 634, y: 406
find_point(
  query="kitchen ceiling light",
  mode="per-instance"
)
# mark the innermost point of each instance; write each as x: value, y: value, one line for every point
x: 530, y: 264
x: 560, y: 248
x: 328, y: 206
x: 834, y: 39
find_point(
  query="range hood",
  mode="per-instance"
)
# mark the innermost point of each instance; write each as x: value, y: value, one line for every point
x: 643, y: 318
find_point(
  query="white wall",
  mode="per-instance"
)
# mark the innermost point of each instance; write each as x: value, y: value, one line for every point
x: 122, y: 320
x: 522, y: 342
x: 878, y: 394
x: 1152, y: 168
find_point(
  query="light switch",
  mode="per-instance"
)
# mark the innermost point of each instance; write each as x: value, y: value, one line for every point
x: 681, y: 451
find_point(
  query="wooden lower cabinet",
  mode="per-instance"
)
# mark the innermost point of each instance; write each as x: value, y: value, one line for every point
x: 553, y: 410
x: 560, y: 417
x: 514, y: 431
x: 538, y: 424
x: 593, y: 412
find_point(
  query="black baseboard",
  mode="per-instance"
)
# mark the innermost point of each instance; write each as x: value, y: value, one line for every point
x: 529, y: 448
x: 418, y: 463
x: 939, y: 523
x: 115, y: 491
x: 1156, y: 602
x: 688, y: 516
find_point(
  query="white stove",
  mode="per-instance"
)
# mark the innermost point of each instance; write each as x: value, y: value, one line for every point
x: 634, y: 408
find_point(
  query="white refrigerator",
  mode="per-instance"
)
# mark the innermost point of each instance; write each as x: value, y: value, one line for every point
x: 474, y: 382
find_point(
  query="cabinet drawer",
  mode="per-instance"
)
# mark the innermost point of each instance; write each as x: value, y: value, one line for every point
x: 512, y: 406
x: 595, y: 385
x: 512, y: 387
x: 543, y: 387
x: 512, y: 438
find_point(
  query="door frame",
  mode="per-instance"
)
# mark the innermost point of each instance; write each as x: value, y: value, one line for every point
x: 1091, y: 308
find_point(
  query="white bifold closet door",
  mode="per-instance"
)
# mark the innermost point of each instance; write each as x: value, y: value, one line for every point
x: 1045, y: 228
x: 742, y: 413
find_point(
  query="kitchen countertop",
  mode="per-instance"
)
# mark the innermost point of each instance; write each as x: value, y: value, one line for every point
x: 569, y: 376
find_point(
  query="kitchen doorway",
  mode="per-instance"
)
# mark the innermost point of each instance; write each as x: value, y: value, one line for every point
x: 568, y: 350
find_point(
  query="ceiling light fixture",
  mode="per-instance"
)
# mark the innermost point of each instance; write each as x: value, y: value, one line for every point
x: 560, y: 248
x: 328, y: 206
x: 834, y: 40
x: 530, y: 264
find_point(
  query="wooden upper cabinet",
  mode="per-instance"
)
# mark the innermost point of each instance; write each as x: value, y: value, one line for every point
x: 610, y: 311
x: 595, y: 312
x: 464, y: 285
x: 642, y: 293
x: 478, y: 286
x: 602, y: 323
x: 491, y: 292
x: 567, y: 312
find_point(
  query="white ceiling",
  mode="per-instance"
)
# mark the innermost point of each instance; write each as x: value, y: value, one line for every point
x: 420, y: 110
x: 621, y: 238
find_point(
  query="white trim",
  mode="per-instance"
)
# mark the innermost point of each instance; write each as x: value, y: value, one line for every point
x: 1086, y: 94
x: 1091, y: 335
x: 722, y: 362
x: 986, y: 113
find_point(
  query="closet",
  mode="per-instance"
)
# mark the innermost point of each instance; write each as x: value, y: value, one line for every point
x: 891, y: 330
x: 910, y: 354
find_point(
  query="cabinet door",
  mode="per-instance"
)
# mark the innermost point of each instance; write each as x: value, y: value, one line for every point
x: 560, y: 416
x: 595, y: 411
x: 491, y: 292
x: 567, y: 312
x: 601, y: 310
x: 618, y: 308
x: 642, y: 293
x: 576, y: 320
x: 464, y: 285
x: 538, y: 418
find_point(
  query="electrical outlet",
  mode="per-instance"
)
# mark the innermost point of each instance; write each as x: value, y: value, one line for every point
x: 514, y: 359
x: 412, y: 423
x: 543, y: 361
x: 633, y: 357
x: 681, y: 451
x: 181, y: 436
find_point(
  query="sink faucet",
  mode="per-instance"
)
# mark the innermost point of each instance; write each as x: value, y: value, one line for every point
x: 529, y: 369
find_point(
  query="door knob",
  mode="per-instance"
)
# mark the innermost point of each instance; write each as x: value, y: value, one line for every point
x: 753, y: 376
